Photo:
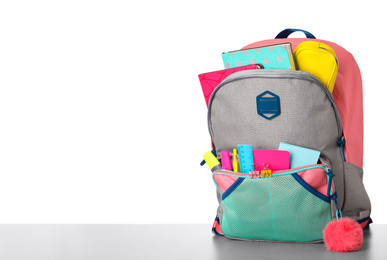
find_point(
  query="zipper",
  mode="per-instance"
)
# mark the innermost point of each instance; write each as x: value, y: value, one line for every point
x: 275, y: 173
x: 286, y: 76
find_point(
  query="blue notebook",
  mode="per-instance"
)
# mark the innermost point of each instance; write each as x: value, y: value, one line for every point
x: 279, y: 56
x: 300, y: 156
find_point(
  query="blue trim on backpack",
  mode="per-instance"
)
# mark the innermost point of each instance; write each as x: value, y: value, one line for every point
x: 285, y: 33
x: 364, y: 220
x: 232, y: 187
x: 310, y: 189
x: 216, y: 232
x: 214, y: 229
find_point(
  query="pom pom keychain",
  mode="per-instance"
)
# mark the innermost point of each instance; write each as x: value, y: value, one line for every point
x: 343, y: 235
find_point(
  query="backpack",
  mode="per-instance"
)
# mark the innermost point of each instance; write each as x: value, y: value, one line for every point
x: 266, y: 107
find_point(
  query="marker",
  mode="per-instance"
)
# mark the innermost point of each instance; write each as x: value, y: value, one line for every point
x: 211, y: 161
x: 226, y: 161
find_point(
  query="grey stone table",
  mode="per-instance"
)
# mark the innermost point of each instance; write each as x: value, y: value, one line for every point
x: 57, y: 242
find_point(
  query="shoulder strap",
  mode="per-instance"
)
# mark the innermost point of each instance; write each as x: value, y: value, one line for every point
x: 285, y: 33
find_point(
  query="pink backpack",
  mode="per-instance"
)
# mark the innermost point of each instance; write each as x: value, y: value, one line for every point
x: 348, y: 99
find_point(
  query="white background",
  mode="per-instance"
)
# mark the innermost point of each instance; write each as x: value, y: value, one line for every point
x: 102, y: 118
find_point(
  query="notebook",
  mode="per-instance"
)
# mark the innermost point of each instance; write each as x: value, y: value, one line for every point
x: 210, y: 80
x: 300, y: 156
x: 279, y: 56
x: 274, y: 160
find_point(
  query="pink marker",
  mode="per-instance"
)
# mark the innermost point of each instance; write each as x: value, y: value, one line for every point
x: 226, y: 160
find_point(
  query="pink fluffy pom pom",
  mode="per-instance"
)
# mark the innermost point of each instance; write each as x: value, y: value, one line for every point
x: 343, y: 235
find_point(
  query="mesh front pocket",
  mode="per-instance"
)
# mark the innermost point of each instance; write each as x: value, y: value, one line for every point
x: 280, y: 208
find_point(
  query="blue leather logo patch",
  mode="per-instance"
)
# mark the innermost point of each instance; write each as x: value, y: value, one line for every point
x: 268, y: 105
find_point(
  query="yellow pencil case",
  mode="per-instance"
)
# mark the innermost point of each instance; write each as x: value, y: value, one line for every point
x: 318, y: 59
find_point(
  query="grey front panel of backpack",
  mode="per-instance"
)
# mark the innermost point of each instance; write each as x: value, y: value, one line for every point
x: 264, y: 108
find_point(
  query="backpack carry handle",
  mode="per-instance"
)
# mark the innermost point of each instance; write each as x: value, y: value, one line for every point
x: 285, y: 33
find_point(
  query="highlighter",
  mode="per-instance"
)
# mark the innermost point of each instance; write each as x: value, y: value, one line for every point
x: 211, y: 161
x: 226, y: 161
x: 235, y: 161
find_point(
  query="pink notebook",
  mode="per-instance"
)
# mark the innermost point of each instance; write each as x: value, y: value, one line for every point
x: 211, y: 80
x: 275, y: 160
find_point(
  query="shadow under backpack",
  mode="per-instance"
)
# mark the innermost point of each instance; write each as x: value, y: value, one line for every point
x: 285, y: 207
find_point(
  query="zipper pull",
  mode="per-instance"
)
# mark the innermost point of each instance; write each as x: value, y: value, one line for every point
x: 341, y: 144
x: 329, y: 173
x: 330, y: 183
x: 325, y: 164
